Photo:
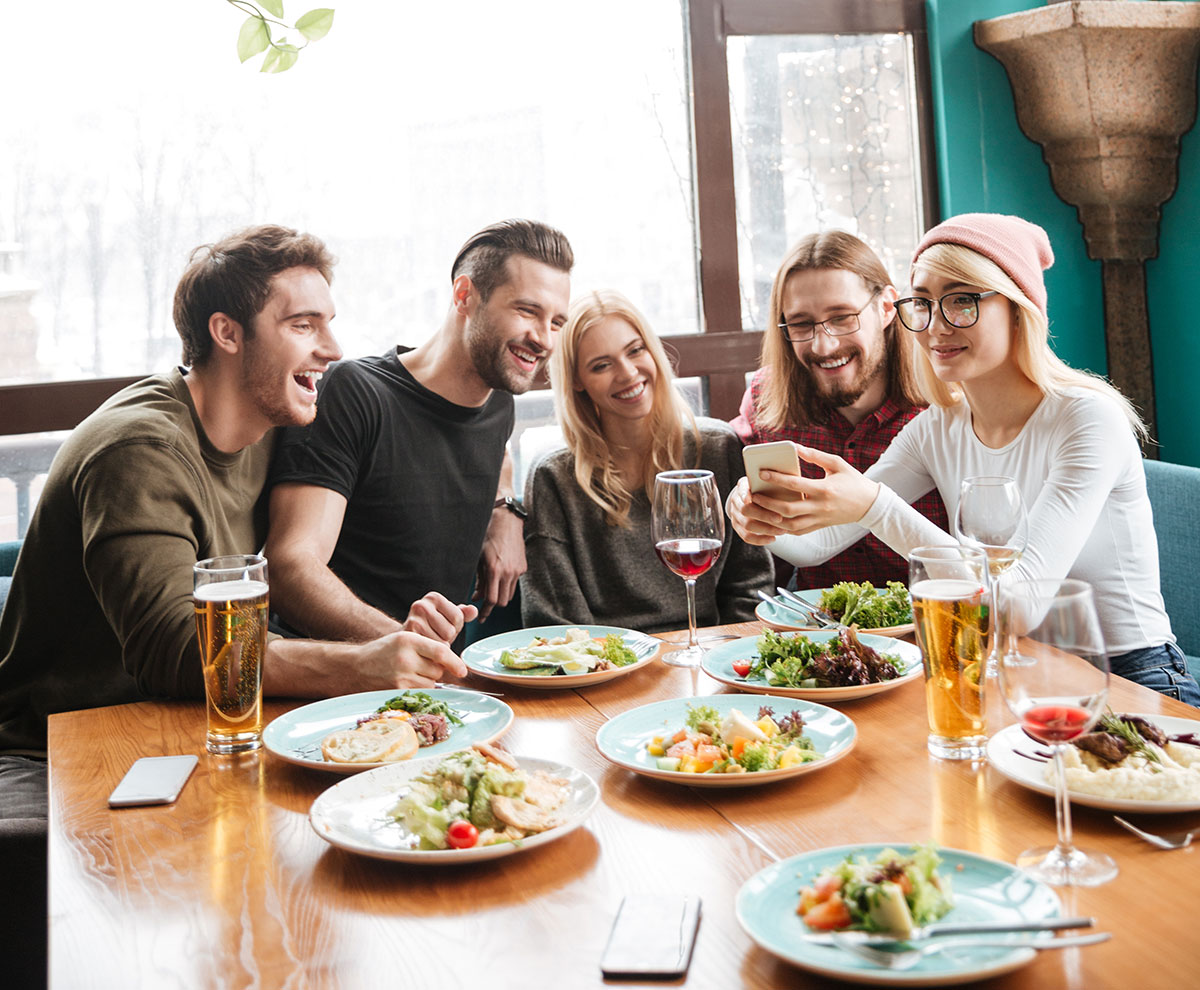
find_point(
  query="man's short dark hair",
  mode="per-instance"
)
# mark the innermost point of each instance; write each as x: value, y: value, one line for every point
x: 482, y: 258
x: 233, y: 276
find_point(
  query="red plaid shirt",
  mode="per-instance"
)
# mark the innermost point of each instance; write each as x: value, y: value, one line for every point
x: 869, y: 559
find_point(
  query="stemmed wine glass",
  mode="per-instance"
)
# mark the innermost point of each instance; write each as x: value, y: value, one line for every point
x: 689, y: 531
x: 991, y: 516
x: 1054, y: 678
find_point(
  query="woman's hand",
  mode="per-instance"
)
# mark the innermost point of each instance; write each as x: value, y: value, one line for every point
x: 843, y: 495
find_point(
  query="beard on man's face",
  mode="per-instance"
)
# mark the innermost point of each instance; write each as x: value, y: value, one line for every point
x: 836, y: 395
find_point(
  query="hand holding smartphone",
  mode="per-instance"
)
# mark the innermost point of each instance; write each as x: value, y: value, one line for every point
x: 778, y: 456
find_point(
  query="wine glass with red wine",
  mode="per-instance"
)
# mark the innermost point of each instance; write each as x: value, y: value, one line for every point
x: 689, y: 531
x: 1054, y: 678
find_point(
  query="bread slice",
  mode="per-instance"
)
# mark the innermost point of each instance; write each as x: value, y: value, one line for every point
x: 387, y: 740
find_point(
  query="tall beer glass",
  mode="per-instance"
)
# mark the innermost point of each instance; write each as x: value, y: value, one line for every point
x: 952, y: 614
x: 231, y: 621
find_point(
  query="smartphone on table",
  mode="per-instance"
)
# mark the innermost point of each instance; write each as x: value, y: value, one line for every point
x: 153, y: 780
x: 652, y: 936
x: 778, y: 456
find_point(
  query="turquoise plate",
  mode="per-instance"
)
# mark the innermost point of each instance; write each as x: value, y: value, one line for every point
x: 483, y: 657
x: 623, y: 739
x: 718, y: 664
x: 984, y: 890
x: 296, y: 736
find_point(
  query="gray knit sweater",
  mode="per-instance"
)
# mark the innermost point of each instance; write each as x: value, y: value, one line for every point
x: 582, y: 570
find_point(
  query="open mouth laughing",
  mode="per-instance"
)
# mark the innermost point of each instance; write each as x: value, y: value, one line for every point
x: 631, y: 393
x: 307, y: 380
x: 528, y: 360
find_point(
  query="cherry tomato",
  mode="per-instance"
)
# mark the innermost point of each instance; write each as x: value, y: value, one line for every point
x: 461, y: 834
x: 741, y: 667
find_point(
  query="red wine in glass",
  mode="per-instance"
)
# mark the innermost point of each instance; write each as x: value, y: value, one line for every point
x: 1055, y: 723
x: 688, y: 558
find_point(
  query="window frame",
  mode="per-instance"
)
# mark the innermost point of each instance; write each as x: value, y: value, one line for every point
x: 722, y: 352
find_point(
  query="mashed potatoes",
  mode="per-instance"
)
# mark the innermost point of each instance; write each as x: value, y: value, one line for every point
x: 1134, y: 779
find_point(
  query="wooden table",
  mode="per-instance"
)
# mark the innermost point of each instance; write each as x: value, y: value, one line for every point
x: 230, y: 886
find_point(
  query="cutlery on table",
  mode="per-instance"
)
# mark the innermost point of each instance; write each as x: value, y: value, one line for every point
x: 804, y: 613
x: 938, y: 928
x: 824, y: 618
x: 703, y: 639
x: 1168, y: 840
x: 908, y: 958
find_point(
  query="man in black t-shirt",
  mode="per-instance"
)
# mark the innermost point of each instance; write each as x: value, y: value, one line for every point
x: 402, y: 485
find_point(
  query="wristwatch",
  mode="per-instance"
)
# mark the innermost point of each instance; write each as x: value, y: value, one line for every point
x: 513, y: 506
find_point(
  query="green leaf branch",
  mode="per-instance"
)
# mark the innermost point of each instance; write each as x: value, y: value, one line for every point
x: 255, y: 35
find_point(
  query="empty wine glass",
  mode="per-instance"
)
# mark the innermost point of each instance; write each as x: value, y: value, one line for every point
x: 689, y: 531
x: 991, y: 516
x: 1054, y: 678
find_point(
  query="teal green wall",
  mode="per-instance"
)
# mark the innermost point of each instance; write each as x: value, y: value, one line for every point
x: 985, y: 163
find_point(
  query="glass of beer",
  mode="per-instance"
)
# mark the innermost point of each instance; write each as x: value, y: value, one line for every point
x: 952, y: 613
x: 231, y: 620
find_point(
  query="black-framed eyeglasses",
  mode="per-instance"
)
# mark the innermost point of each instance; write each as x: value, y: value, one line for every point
x: 835, y: 326
x: 959, y: 309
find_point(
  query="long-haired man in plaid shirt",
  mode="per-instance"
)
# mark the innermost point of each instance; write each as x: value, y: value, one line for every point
x: 836, y: 375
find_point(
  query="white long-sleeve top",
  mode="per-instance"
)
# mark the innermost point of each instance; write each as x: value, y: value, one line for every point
x: 1080, y: 473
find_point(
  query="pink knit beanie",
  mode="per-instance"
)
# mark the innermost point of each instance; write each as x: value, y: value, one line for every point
x: 1019, y: 247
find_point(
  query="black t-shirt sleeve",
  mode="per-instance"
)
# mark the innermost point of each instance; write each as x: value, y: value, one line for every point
x: 331, y: 451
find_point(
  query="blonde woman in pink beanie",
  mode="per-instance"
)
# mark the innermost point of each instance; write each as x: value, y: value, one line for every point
x: 1001, y: 402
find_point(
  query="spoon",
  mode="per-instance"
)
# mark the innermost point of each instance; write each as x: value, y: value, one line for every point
x: 908, y: 958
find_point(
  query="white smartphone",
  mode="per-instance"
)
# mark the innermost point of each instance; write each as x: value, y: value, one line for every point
x: 153, y: 780
x: 652, y: 936
x: 778, y: 456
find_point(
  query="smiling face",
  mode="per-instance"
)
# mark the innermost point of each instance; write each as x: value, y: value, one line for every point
x: 972, y: 355
x: 847, y: 372
x: 510, y: 336
x: 616, y: 370
x: 291, y: 348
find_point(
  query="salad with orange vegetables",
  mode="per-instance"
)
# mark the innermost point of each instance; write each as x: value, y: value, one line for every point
x: 736, y: 743
x: 890, y: 893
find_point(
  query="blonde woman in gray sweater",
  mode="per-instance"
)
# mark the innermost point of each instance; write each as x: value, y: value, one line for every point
x: 587, y: 540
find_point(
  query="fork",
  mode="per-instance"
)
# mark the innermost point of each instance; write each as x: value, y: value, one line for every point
x: 1172, y: 840
x: 908, y: 958
x: 792, y: 600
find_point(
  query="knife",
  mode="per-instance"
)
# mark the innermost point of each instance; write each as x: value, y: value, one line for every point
x: 937, y: 930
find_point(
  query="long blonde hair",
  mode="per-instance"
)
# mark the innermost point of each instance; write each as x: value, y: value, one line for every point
x: 788, y: 397
x: 1031, y: 345
x: 595, y: 469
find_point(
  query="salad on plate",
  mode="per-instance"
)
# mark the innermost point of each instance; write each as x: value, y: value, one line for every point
x: 735, y: 743
x: 480, y: 797
x: 796, y: 661
x: 891, y: 892
x: 576, y: 651
x: 864, y: 605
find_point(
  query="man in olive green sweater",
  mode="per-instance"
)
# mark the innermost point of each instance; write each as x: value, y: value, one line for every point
x: 166, y: 472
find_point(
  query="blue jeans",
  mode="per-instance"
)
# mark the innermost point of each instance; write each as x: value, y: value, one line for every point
x: 1160, y: 668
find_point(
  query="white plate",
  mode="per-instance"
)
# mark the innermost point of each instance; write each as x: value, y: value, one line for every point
x: 483, y: 657
x: 623, y: 738
x: 984, y: 890
x: 783, y: 619
x: 1002, y: 747
x: 296, y: 736
x: 718, y: 664
x: 353, y: 814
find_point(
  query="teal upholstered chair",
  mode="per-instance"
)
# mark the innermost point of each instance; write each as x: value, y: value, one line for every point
x: 1175, y: 497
